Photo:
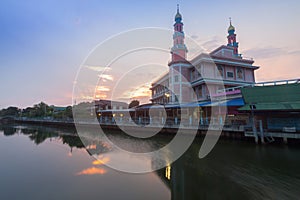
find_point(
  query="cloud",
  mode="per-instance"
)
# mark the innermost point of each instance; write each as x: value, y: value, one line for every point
x: 294, y: 52
x: 103, y: 72
x: 96, y: 68
x: 106, y: 77
x: 212, y: 43
x: 265, y: 52
x: 138, y: 92
x: 101, y: 96
x: 195, y: 37
x: 206, y: 45
x: 103, y: 88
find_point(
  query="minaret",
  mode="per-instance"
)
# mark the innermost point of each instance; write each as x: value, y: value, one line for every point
x: 179, y: 49
x: 232, y: 38
x: 179, y: 66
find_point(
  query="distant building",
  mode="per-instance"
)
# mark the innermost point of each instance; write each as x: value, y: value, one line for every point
x: 109, y: 105
x: 207, y: 73
x: 57, y: 109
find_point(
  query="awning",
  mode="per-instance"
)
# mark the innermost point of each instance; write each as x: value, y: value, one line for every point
x: 114, y: 111
x: 148, y: 106
x: 228, y: 103
x: 235, y: 102
x: 195, y: 104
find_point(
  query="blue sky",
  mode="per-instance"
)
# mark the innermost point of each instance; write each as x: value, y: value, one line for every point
x: 43, y: 43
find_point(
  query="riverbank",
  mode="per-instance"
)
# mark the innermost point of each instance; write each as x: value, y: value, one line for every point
x: 228, y: 132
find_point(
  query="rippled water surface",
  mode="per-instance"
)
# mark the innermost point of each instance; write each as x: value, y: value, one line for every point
x: 51, y: 163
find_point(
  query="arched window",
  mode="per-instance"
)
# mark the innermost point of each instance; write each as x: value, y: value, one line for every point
x: 240, y: 73
x: 220, y: 71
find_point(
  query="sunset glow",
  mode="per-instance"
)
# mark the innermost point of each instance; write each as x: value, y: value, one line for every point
x: 51, y: 51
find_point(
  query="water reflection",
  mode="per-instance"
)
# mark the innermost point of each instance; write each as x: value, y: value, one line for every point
x: 92, y: 171
x: 42, y: 168
x: 233, y: 170
x: 96, y: 169
x: 39, y: 134
x: 8, y: 130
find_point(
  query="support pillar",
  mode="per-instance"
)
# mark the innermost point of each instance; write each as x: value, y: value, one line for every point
x: 285, y: 140
x: 261, y: 130
x: 190, y: 120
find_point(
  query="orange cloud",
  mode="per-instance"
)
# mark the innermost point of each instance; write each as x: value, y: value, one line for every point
x: 106, y: 77
x: 103, y: 88
x: 138, y: 92
x: 100, y: 96
x: 92, y: 171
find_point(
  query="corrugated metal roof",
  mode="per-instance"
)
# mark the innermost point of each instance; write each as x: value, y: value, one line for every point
x: 278, y: 97
x: 272, y: 94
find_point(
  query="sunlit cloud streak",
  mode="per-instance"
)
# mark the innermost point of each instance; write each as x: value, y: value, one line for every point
x: 138, y: 92
x: 96, y: 68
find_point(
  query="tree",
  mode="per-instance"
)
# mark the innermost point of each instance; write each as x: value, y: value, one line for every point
x: 134, y: 103
x: 40, y: 110
x: 10, y: 111
x: 27, y: 112
x: 68, y: 112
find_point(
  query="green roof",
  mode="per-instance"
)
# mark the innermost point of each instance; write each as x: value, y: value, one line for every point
x: 278, y: 97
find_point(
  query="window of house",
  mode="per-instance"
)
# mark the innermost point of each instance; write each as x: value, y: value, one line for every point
x: 176, y: 78
x: 193, y: 94
x: 192, y: 74
x: 199, y: 92
x: 239, y: 73
x: 230, y: 75
x: 220, y: 71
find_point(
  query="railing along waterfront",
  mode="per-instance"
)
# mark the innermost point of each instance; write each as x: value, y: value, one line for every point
x: 267, y: 83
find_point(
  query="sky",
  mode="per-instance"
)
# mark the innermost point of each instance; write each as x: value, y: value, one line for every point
x: 44, y: 43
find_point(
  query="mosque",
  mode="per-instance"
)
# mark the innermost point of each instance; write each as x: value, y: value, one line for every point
x: 223, y: 78
x: 206, y: 74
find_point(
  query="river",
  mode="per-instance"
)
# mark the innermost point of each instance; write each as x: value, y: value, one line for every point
x: 39, y: 162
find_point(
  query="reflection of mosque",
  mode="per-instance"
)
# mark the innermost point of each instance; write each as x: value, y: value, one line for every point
x: 192, y: 178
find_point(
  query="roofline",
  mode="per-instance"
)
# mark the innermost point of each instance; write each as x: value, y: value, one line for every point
x: 160, y: 79
x: 220, y: 47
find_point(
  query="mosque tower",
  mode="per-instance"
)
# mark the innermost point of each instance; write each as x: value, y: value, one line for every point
x: 179, y: 49
x: 179, y: 66
x: 232, y: 38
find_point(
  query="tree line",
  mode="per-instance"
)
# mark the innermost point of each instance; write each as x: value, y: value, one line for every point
x: 44, y: 111
x: 40, y: 110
